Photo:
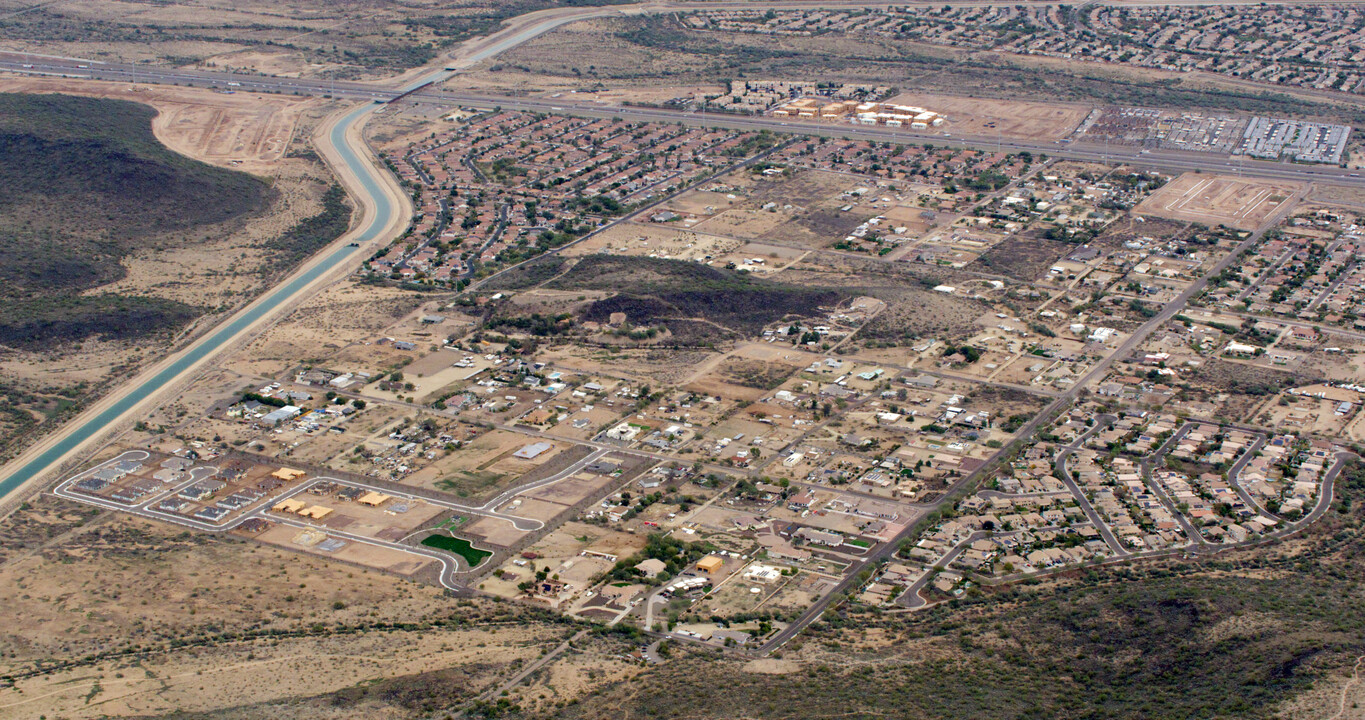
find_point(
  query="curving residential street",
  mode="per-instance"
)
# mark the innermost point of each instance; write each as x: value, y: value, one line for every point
x: 1101, y: 422
x: 452, y: 567
x: 383, y: 209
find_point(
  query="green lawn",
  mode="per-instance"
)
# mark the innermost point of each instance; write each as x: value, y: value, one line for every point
x: 459, y: 546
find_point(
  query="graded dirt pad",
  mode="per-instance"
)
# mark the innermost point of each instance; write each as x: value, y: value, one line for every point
x: 241, y: 130
x: 493, y: 531
x: 533, y: 509
x: 1243, y: 203
x: 381, y: 521
x: 1009, y: 118
x: 571, y: 489
x: 374, y: 556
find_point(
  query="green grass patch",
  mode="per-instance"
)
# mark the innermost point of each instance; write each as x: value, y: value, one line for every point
x: 459, y: 546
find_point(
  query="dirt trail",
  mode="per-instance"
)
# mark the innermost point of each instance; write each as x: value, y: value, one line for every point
x: 1346, y: 689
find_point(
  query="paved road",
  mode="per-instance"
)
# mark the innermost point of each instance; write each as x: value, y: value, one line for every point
x: 1101, y: 422
x: 129, y: 401
x: 1027, y: 432
x: 121, y: 405
x: 1332, y: 286
x: 1170, y: 160
x: 374, y: 189
x: 1235, y: 474
x: 71, y: 439
x: 1328, y: 329
x: 1191, y: 532
x: 911, y: 599
x: 452, y: 567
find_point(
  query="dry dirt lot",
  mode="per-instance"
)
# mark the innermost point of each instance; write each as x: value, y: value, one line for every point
x: 244, y: 131
x: 341, y: 315
x: 494, y: 531
x: 533, y: 509
x: 1338, y: 195
x: 1242, y: 203
x: 373, y: 556
x: 798, y: 201
x: 1010, y: 118
x: 572, y: 489
x: 656, y: 240
x: 1022, y: 257
x: 157, y: 584
x: 484, y: 466
x: 660, y: 366
x: 588, y: 46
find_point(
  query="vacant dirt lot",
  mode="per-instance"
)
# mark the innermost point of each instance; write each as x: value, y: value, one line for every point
x: 1036, y: 121
x: 242, y: 131
x: 655, y: 240
x: 1219, y: 200
x: 1024, y: 258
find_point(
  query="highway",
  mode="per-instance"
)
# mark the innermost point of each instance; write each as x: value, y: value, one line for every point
x: 384, y: 208
x: 1166, y: 160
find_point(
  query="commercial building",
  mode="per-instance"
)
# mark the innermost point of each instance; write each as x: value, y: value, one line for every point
x: 866, y: 113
